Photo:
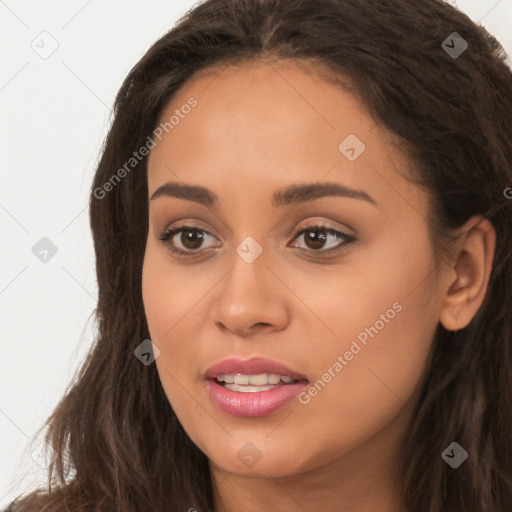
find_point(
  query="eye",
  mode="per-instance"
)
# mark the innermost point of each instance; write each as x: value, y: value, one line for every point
x: 190, y: 239
x: 317, y: 235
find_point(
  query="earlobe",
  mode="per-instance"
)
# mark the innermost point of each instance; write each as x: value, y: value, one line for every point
x: 465, y: 289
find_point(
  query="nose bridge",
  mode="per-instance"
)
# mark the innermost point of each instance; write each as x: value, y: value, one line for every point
x: 253, y: 248
x: 247, y: 280
x: 249, y: 294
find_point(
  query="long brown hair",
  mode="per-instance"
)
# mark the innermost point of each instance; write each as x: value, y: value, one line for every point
x: 118, y: 446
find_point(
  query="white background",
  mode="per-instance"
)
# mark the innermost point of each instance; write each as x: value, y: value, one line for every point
x: 55, y: 114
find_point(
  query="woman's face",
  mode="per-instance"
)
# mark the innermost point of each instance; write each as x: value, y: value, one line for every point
x: 352, y: 328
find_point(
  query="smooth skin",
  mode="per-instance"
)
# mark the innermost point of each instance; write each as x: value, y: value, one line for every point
x: 257, y: 128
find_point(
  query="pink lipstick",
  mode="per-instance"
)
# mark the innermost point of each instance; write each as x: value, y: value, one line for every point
x: 253, y: 387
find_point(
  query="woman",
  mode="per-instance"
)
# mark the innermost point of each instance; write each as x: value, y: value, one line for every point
x: 302, y: 226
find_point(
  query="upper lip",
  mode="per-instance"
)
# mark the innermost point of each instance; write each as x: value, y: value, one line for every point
x: 252, y: 366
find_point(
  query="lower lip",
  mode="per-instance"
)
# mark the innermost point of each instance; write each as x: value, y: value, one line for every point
x: 253, y: 404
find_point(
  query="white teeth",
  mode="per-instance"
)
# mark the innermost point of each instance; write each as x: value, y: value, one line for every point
x: 262, y: 379
x: 273, y: 378
x: 241, y: 379
x: 258, y: 380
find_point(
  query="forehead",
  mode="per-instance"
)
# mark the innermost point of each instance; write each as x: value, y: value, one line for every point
x: 268, y: 98
x: 267, y: 124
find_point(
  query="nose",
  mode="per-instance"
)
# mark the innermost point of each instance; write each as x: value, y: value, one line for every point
x: 251, y: 300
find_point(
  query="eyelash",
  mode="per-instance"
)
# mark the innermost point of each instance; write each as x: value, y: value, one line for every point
x: 169, y: 234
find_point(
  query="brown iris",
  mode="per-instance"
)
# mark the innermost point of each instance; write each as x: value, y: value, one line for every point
x: 315, y: 241
x: 193, y: 237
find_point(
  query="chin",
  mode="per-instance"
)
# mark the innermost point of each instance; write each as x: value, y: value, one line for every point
x: 259, y: 459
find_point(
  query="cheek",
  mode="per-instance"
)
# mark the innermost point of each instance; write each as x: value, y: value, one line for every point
x: 164, y: 299
x: 168, y: 294
x: 157, y: 295
x: 174, y: 313
x: 382, y: 317
x: 357, y: 387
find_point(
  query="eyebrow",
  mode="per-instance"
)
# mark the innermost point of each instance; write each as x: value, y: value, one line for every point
x: 290, y: 195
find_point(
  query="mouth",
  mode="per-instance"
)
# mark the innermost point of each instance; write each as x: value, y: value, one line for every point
x: 253, y: 387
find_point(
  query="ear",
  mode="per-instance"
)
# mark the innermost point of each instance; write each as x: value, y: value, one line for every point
x: 468, y: 275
